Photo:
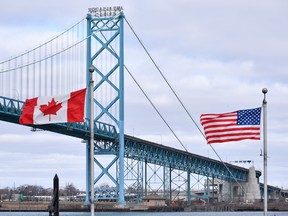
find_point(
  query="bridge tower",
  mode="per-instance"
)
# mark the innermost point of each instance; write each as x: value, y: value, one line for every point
x: 105, y: 53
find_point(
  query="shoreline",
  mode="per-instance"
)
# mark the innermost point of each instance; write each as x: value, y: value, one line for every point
x: 111, y: 207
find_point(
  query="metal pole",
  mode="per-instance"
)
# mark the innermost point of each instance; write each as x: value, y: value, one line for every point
x: 264, y: 105
x: 91, y: 70
x: 88, y: 106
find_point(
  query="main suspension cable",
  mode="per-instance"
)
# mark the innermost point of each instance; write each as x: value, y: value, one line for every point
x: 179, y: 100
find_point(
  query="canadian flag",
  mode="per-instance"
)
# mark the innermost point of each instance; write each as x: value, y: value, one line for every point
x: 54, y: 109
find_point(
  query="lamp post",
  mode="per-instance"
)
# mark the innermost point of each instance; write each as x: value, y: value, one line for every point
x: 91, y: 70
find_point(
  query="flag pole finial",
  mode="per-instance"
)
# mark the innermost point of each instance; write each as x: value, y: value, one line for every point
x: 264, y: 91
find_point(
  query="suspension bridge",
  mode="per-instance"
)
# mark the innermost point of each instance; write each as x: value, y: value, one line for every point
x: 141, y: 167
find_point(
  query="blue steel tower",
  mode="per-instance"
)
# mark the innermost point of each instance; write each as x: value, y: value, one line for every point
x: 105, y: 53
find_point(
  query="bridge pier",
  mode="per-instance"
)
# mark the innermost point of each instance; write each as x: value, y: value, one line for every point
x: 231, y: 191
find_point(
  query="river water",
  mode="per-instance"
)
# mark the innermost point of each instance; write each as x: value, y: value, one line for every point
x: 146, y: 213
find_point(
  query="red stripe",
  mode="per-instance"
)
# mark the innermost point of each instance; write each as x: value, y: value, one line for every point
x: 28, y: 111
x: 236, y: 134
x: 232, y: 139
x: 220, y: 125
x: 218, y: 115
x: 232, y: 129
x: 76, y: 106
x: 208, y: 121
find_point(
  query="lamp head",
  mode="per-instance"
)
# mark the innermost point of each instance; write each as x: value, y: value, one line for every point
x: 264, y: 90
x: 91, y: 69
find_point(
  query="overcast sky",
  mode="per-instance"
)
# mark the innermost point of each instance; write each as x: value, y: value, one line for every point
x: 217, y: 55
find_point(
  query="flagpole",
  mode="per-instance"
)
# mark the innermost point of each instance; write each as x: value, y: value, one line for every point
x: 91, y: 70
x: 264, y: 105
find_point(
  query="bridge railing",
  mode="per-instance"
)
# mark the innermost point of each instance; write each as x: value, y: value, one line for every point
x: 11, y: 109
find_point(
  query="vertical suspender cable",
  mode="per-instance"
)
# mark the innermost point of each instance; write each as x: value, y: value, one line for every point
x: 34, y: 74
x: 61, y: 65
x: 45, y: 78
x: 16, y: 79
x: 2, y: 80
x: 8, y: 79
x: 40, y: 74
x: 71, y: 62
x: 27, y: 79
x: 67, y: 63
x: 57, y: 69
x: 52, y: 71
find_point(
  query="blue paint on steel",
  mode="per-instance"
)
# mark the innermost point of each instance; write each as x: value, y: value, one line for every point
x: 121, y: 200
x: 188, y: 186
x: 97, y: 28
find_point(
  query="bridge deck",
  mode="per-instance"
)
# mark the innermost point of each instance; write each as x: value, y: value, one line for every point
x: 135, y: 148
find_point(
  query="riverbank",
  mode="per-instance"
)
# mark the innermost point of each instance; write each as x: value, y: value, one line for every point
x: 233, y: 207
x: 77, y: 207
x: 26, y: 206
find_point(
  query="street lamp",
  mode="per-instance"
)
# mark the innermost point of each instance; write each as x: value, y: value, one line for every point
x: 91, y: 70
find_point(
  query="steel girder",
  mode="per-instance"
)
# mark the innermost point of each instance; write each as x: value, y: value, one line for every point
x: 165, y: 156
x: 270, y: 189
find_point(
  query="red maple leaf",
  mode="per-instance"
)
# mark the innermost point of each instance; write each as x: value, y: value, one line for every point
x: 50, y: 109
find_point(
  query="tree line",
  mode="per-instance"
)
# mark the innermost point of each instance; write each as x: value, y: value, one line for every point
x: 36, y: 190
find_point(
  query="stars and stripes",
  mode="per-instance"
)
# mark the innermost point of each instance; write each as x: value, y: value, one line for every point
x: 232, y: 126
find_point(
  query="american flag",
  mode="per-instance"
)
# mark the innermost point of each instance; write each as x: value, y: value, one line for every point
x: 232, y: 126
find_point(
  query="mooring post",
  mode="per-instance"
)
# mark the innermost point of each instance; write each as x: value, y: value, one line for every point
x: 54, y: 207
x: 56, y: 195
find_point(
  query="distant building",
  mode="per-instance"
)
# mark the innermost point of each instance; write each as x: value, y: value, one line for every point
x: 154, y: 200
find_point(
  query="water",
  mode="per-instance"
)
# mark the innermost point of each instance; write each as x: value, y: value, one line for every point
x: 146, y: 213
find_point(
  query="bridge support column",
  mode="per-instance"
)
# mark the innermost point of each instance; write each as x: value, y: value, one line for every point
x: 170, y: 182
x: 121, y: 199
x: 145, y: 178
x: 188, y: 188
x: 230, y: 189
x: 213, y: 189
x: 105, y: 38
x: 88, y: 111
x: 207, y: 191
x: 164, y: 182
